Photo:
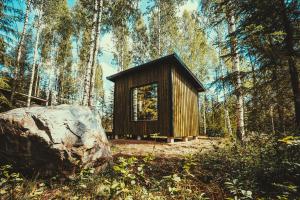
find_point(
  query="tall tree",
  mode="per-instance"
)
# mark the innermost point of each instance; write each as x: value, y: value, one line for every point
x: 163, y: 27
x: 9, y: 15
x: 92, y: 93
x: 288, y: 27
x: 19, y: 51
x: 140, y: 38
x: 275, y: 25
x: 123, y: 13
x: 65, y: 83
x: 39, y: 26
x: 236, y: 70
x: 97, y: 14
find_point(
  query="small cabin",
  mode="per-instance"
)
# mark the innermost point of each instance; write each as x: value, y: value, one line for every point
x: 158, y: 97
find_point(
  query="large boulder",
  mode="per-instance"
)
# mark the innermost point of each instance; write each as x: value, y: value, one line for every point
x: 53, y: 140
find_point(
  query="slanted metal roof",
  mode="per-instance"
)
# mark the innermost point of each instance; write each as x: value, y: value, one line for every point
x: 172, y: 57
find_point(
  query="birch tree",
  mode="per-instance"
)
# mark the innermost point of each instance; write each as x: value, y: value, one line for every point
x: 236, y: 71
x: 19, y: 51
x: 87, y: 99
x: 92, y: 94
x: 35, y: 54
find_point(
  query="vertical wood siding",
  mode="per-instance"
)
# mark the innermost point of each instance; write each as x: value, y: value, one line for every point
x: 185, y: 106
x: 123, y: 123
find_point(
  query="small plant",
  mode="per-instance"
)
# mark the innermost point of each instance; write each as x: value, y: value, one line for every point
x: 37, y: 190
x: 172, y: 182
x: 189, y: 162
x: 235, y: 189
x: 124, y: 169
x: 85, y: 176
x: 290, y: 140
x: 202, y: 197
x: 9, y: 181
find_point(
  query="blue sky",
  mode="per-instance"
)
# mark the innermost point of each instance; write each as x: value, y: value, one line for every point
x: 71, y: 2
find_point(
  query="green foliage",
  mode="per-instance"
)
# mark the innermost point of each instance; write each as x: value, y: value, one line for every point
x: 236, y: 190
x: 121, y: 15
x: 262, y: 166
x: 140, y: 48
x: 4, y: 102
x: 214, y: 132
x: 129, y: 178
x: 189, y: 163
x: 261, y: 169
x: 9, y: 16
x: 9, y: 181
x: 290, y: 140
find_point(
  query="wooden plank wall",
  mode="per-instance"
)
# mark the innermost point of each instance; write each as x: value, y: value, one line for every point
x: 185, y: 106
x: 123, y: 124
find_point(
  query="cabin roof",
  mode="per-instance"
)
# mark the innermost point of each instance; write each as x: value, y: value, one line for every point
x: 172, y: 57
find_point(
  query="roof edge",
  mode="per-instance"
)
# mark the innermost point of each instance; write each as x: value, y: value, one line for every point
x: 173, y: 55
x: 114, y: 76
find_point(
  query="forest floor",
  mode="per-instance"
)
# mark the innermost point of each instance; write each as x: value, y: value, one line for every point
x: 160, y: 148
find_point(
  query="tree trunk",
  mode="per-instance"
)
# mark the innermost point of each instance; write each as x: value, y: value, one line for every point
x: 122, y: 58
x: 37, y: 82
x: 226, y: 112
x: 89, y: 68
x: 35, y: 54
x: 254, y: 94
x: 159, y: 31
x: 56, y: 72
x: 236, y: 70
x: 50, y: 63
x: 92, y: 94
x: 204, y: 115
x: 19, y: 52
x: 49, y: 88
x: 292, y: 63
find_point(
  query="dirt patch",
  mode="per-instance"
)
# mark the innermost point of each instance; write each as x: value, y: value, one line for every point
x: 159, y: 148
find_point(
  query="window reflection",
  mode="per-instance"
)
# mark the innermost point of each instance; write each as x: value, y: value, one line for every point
x: 144, y: 102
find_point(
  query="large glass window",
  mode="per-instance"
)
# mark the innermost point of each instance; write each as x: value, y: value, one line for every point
x: 144, y: 103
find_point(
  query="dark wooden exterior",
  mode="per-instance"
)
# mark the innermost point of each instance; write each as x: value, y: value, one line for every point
x: 177, y: 99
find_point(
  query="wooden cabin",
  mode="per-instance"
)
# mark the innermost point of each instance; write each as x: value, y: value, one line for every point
x: 158, y: 97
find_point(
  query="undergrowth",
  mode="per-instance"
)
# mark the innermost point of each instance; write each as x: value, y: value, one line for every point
x: 263, y: 168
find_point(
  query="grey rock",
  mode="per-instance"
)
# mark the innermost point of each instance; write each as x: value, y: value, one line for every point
x: 53, y: 140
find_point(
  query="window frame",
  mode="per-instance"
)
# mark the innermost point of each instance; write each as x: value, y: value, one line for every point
x: 131, y: 102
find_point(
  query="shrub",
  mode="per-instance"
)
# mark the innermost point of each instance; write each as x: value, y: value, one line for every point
x: 215, y: 132
x: 264, y: 166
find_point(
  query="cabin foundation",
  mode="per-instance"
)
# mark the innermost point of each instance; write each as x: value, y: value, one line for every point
x: 170, y: 140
